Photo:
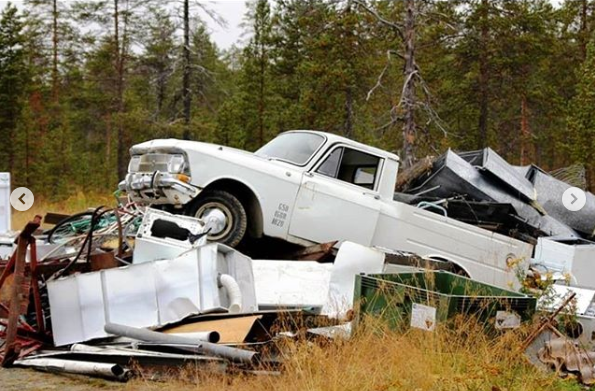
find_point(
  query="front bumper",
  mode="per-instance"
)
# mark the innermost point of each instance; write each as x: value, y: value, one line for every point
x: 158, y: 188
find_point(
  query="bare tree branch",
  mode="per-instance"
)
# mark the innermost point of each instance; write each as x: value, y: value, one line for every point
x: 396, y: 26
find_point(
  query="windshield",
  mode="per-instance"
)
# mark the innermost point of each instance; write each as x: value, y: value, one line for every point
x: 295, y: 148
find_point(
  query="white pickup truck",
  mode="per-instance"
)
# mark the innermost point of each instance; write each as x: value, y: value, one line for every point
x: 310, y: 187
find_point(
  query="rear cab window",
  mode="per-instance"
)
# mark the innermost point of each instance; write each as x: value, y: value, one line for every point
x: 351, y: 166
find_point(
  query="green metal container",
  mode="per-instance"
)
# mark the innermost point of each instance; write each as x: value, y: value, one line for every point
x: 423, y: 299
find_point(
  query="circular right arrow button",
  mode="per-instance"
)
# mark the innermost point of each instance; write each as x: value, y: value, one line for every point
x: 574, y: 199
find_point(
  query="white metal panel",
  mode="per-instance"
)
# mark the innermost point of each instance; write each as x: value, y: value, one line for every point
x: 92, y: 310
x: 329, y: 209
x: 554, y: 256
x: 146, y: 294
x: 149, y: 248
x: 5, y: 210
x: 481, y: 253
x: 185, y: 299
x: 131, y: 295
x: 239, y: 267
x: 351, y: 260
x: 291, y: 283
x: 66, y: 308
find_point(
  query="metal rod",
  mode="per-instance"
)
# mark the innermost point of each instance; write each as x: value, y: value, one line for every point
x: 190, y: 344
x: 104, y: 370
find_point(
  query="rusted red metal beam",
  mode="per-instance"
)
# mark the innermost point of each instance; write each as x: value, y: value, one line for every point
x: 19, y: 297
x: 35, y: 286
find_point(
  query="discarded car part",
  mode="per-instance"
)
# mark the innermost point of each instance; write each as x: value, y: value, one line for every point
x: 163, y: 235
x: 424, y: 299
x: 148, y: 294
x: 567, y: 256
x: 549, y: 194
x: 234, y: 293
x: 236, y: 355
x: 352, y: 259
x: 98, y: 369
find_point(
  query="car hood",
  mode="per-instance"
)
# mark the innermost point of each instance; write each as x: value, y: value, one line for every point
x: 196, y: 147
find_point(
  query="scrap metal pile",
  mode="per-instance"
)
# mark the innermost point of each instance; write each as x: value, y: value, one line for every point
x: 481, y: 188
x: 113, y: 291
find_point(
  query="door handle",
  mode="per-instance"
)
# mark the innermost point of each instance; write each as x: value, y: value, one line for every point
x: 376, y: 196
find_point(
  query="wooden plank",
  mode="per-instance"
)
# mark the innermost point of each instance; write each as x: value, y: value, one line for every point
x: 232, y: 330
x: 54, y: 218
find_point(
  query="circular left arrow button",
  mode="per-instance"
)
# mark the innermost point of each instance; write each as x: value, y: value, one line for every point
x: 21, y: 199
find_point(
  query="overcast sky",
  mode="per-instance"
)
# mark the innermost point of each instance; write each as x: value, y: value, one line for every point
x: 231, y: 10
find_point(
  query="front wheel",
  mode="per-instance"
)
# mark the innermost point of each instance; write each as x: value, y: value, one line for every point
x: 236, y: 221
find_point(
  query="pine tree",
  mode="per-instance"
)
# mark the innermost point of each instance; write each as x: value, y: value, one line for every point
x: 14, y: 76
x: 582, y: 118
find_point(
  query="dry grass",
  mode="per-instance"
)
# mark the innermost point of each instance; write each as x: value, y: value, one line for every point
x: 73, y: 204
x: 462, y: 357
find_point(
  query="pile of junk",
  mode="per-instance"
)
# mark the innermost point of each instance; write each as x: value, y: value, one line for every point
x: 525, y: 202
x: 111, y: 292
x: 114, y: 292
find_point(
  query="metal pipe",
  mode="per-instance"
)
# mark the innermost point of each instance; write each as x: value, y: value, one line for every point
x: 189, y: 344
x: 107, y: 371
x: 234, y: 293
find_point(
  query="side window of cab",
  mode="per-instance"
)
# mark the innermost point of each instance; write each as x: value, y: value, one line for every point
x: 351, y: 166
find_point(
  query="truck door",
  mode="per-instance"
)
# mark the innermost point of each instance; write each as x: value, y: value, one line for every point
x: 338, y: 198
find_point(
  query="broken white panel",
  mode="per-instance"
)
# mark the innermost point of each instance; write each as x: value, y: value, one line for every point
x: 149, y: 248
x: 215, y: 259
x: 183, y: 274
x: 423, y: 317
x: 131, y: 296
x: 584, y: 306
x: 572, y: 256
x: 5, y: 210
x: 351, y: 259
x: 341, y: 331
x: 583, y: 301
x: 7, y: 245
x: 148, y: 294
x: 291, y: 284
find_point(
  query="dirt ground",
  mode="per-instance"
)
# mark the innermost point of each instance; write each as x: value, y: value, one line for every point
x: 28, y: 380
